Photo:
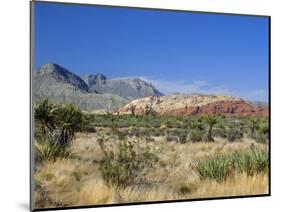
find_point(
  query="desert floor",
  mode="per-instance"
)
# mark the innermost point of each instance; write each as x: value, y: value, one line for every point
x: 77, y: 180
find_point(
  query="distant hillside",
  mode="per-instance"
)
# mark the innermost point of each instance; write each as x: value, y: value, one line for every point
x: 182, y: 104
x: 97, y: 93
x: 127, y: 88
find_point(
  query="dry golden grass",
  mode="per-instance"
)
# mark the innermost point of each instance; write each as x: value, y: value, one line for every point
x: 77, y: 180
x: 239, y: 185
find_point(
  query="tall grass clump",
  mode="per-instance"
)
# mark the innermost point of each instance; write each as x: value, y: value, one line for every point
x: 220, y: 167
x: 217, y: 168
x: 126, y: 166
x: 251, y: 162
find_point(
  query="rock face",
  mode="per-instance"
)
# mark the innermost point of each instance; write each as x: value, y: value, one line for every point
x: 95, y: 92
x: 60, y: 85
x: 181, y: 104
x: 126, y: 88
x: 92, y: 80
x: 222, y: 108
x: 58, y: 74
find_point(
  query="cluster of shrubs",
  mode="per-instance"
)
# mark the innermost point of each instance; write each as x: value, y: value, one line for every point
x: 187, y: 129
x: 194, y: 128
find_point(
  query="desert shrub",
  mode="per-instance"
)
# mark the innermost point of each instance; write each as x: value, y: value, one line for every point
x: 149, y: 139
x: 261, y: 135
x: 260, y: 138
x: 171, y: 138
x: 128, y: 165
x: 169, y: 124
x: 157, y: 132
x: 184, y: 189
x: 88, y: 128
x: 120, y: 135
x: 234, y: 134
x: 87, y: 125
x: 135, y: 132
x: 195, y: 135
x: 220, y: 132
x: 154, y: 123
x: 220, y: 167
x: 182, y: 138
x: 77, y: 175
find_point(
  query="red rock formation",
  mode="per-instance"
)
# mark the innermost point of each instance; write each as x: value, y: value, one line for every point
x: 222, y: 108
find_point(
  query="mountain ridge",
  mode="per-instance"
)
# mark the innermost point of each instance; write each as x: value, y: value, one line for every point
x: 63, y: 86
x: 131, y: 88
x: 95, y: 92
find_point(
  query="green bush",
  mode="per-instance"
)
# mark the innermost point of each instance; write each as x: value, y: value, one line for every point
x: 120, y: 135
x: 170, y: 138
x: 221, y: 166
x: 220, y: 132
x: 234, y: 134
x: 135, y: 132
x: 184, y: 189
x: 261, y: 135
x: 183, y: 138
x: 195, y: 135
x: 129, y: 165
x: 88, y: 128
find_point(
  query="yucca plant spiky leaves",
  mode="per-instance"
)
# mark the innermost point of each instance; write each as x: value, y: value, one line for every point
x: 69, y: 122
x: 211, y: 121
x: 44, y: 113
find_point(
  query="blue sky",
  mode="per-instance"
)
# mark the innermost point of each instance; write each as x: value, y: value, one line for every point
x: 176, y: 51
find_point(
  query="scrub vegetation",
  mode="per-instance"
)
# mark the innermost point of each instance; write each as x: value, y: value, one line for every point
x: 89, y: 159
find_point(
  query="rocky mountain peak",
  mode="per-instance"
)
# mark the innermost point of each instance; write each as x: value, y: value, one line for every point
x: 56, y: 72
x: 95, y: 79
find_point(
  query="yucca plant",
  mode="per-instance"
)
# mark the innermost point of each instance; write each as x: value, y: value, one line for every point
x: 48, y: 151
x: 69, y: 122
x: 133, y: 109
x: 220, y: 167
x: 250, y: 162
x: 44, y: 113
x: 211, y: 121
x: 253, y: 124
x: 216, y: 168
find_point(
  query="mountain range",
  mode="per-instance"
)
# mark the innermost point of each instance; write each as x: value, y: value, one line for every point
x: 96, y: 93
x: 92, y: 92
